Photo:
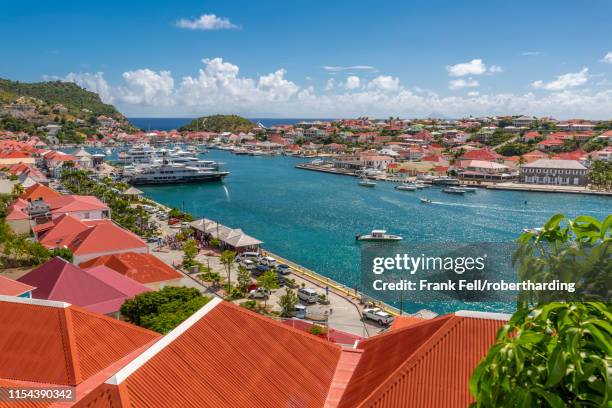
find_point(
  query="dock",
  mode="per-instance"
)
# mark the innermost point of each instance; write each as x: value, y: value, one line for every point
x: 544, y: 188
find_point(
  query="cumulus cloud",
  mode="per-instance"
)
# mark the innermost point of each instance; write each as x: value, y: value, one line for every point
x: 385, y: 83
x: 565, y: 81
x: 218, y: 87
x: 207, y: 22
x: 352, y: 82
x: 349, y: 68
x: 474, y: 67
x: 607, y: 58
x: 93, y: 82
x: 462, y: 83
x: 330, y: 84
x: 495, y: 69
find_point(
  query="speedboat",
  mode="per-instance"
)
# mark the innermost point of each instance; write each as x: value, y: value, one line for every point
x: 367, y: 183
x: 532, y: 230
x: 378, y: 235
x: 454, y: 190
x: 468, y: 189
x: 425, y: 200
x: 406, y: 187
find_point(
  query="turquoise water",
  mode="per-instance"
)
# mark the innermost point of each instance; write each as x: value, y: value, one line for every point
x: 312, y: 218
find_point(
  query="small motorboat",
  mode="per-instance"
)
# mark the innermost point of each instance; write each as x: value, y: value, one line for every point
x: 364, y: 182
x: 454, y: 190
x: 406, y: 187
x: 378, y: 235
x: 532, y: 230
x: 425, y: 200
x: 468, y: 189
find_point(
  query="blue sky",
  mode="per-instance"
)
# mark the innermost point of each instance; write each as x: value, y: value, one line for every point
x: 320, y: 58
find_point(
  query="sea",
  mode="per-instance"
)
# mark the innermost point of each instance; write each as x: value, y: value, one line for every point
x: 312, y: 218
x: 148, y: 124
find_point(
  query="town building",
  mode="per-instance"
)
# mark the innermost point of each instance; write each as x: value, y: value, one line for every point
x: 557, y: 172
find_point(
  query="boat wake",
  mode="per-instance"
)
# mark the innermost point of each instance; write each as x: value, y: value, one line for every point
x: 226, y: 193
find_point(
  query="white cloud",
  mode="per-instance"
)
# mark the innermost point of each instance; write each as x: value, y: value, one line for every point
x: 330, y: 84
x: 564, y: 81
x: 352, y: 82
x: 93, y: 82
x: 348, y: 68
x: 462, y: 83
x: 218, y: 87
x: 474, y: 67
x: 473, y: 93
x: 607, y: 58
x: 531, y: 53
x: 207, y: 22
x: 495, y: 69
x: 385, y: 83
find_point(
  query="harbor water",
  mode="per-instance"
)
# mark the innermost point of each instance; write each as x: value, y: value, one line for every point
x: 312, y: 218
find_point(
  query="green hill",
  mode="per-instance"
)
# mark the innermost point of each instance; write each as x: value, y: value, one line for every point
x: 219, y: 123
x: 72, y: 96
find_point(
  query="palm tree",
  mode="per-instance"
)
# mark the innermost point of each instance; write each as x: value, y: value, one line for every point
x: 227, y: 259
x: 521, y: 160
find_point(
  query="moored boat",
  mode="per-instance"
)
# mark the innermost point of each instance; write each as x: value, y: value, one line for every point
x: 378, y: 235
x: 454, y: 190
x: 406, y: 187
x: 364, y: 182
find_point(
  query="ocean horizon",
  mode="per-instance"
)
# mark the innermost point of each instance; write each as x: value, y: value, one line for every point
x: 165, y: 124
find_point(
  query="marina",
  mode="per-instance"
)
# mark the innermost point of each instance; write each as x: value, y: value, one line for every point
x: 311, y: 218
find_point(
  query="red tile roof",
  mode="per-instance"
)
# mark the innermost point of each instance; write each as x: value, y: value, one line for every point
x: 404, y: 321
x: 143, y: 268
x: 38, y: 191
x: 75, y: 203
x: 427, y: 364
x: 480, y: 154
x: 10, y: 287
x: 226, y: 356
x: 56, y: 343
x: 105, y: 237
x: 60, y: 280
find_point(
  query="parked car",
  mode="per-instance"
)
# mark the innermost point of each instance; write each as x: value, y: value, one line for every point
x: 268, y: 260
x: 173, y: 221
x: 248, y: 264
x: 299, y: 311
x: 283, y: 269
x: 280, y: 279
x: 378, y: 315
x: 308, y: 295
x: 260, y: 270
x: 259, y: 293
x: 253, y: 256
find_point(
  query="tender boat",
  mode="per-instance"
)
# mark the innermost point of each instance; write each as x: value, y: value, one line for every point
x: 468, y: 189
x: 425, y: 200
x: 366, y: 183
x: 406, y: 187
x: 454, y: 190
x: 378, y: 235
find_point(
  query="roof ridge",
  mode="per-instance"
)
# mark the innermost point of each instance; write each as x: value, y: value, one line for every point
x: 149, y: 353
x: 419, y: 353
x: 73, y: 365
x: 35, y: 302
x: 483, y: 315
x: 383, y: 384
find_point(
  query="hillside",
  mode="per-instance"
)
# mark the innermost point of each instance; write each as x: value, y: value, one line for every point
x: 219, y: 123
x: 72, y: 96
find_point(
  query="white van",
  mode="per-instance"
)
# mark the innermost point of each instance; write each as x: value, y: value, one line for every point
x: 248, y: 264
x: 253, y: 256
x: 308, y: 295
x: 268, y: 260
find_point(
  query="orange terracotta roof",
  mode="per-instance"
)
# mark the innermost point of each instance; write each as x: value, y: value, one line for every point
x: 10, y: 287
x: 143, y: 268
x: 105, y: 237
x: 39, y: 191
x: 427, y: 364
x: 404, y: 321
x: 57, y: 343
x: 225, y: 356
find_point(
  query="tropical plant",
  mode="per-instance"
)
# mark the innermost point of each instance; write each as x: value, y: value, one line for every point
x: 244, y: 279
x: 555, y: 354
x: 227, y: 259
x: 287, y: 302
x: 190, y: 250
x: 268, y: 281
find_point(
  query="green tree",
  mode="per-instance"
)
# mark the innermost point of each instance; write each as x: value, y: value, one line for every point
x: 64, y: 253
x: 244, y: 279
x: 165, y: 309
x: 190, y: 250
x: 268, y: 281
x: 287, y: 302
x: 227, y: 259
x: 555, y: 354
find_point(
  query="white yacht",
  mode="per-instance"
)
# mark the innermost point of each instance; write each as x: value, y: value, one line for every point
x: 378, y: 235
x: 172, y: 173
x: 406, y: 187
x: 138, y: 154
x: 364, y: 182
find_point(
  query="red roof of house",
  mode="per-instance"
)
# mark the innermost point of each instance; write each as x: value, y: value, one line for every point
x: 18, y: 210
x: 226, y: 356
x: 10, y: 287
x: 39, y: 191
x: 75, y: 203
x: 105, y: 237
x: 143, y: 268
x: 426, y: 364
x: 56, y: 343
x: 60, y: 231
x: 129, y: 287
x: 15, y: 155
x: 60, y: 280
x: 399, y: 322
x: 480, y: 154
